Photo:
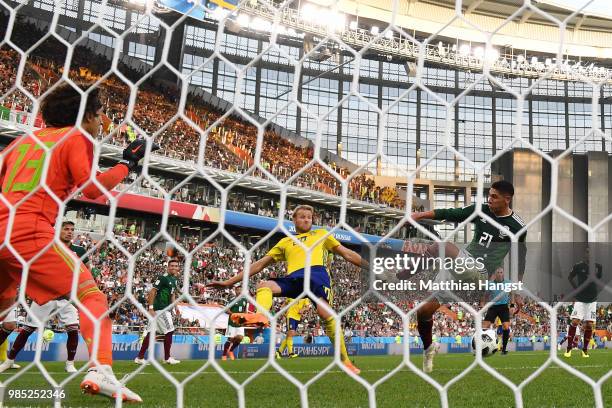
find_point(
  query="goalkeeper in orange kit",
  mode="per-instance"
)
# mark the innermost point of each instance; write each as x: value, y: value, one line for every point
x: 30, y: 228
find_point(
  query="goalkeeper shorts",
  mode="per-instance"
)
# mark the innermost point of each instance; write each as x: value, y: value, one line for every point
x: 49, y: 276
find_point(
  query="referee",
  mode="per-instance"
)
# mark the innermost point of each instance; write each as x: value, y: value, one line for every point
x: 500, y: 308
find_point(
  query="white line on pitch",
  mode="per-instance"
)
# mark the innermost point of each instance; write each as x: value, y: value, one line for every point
x: 30, y: 372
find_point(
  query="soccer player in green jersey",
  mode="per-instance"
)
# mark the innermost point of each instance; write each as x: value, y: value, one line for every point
x: 234, y: 332
x: 67, y: 235
x: 489, y: 244
x: 160, y: 297
x: 585, y: 307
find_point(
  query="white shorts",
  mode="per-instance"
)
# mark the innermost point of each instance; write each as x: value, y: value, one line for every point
x: 468, y: 274
x: 164, y: 322
x: 233, y: 331
x: 585, y: 311
x: 66, y: 312
x: 11, y: 316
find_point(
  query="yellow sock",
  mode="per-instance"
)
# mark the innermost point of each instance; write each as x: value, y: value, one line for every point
x: 3, y: 350
x: 283, y: 345
x: 263, y: 298
x: 289, y: 345
x: 330, y: 330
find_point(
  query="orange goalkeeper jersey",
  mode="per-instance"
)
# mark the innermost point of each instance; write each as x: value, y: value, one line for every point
x: 70, y: 166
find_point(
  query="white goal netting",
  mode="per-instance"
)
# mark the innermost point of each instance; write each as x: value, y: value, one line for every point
x: 260, y: 106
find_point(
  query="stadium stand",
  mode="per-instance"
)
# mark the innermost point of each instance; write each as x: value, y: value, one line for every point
x: 230, y: 144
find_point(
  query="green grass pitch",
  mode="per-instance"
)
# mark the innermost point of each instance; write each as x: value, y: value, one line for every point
x: 554, y: 387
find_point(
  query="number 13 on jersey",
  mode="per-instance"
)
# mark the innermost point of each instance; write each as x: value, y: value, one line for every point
x: 36, y: 164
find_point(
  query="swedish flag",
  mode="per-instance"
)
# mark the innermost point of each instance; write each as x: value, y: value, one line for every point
x: 228, y: 4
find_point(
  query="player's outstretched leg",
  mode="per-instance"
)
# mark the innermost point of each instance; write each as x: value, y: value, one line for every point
x: 18, y: 345
x: 99, y: 379
x: 425, y: 328
x: 51, y: 276
x: 329, y: 323
x: 330, y: 330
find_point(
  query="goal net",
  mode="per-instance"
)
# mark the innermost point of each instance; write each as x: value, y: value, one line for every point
x: 369, y: 113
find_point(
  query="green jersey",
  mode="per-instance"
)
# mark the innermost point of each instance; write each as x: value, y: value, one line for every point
x: 80, y: 251
x: 241, y: 306
x: 489, y: 243
x: 588, y: 292
x: 165, y: 285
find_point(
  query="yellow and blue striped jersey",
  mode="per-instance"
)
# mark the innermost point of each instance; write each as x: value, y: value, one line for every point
x: 295, y: 311
x: 288, y: 250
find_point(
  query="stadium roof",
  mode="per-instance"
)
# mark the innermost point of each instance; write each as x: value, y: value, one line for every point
x: 588, y: 35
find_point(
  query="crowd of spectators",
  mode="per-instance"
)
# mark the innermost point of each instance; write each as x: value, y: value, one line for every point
x: 219, y: 260
x: 228, y: 143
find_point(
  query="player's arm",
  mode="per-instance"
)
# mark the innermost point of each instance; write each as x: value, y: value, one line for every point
x: 448, y: 214
x: 80, y: 157
x: 349, y: 255
x: 150, y: 299
x: 255, y: 268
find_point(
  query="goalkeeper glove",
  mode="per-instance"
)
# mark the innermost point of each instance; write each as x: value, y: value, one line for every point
x: 135, y: 152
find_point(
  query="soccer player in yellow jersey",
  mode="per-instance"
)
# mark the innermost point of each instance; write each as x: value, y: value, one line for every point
x: 294, y: 315
x: 292, y: 285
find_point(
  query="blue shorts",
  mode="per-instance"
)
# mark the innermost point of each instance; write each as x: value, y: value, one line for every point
x: 292, y: 286
x: 292, y: 323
